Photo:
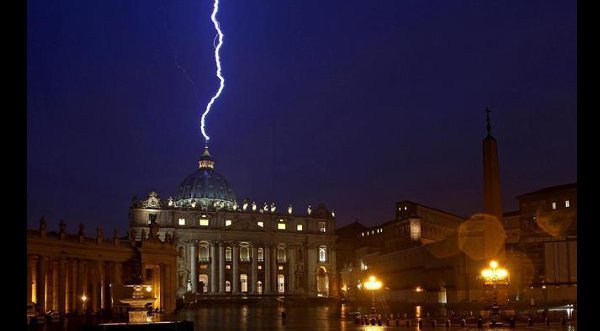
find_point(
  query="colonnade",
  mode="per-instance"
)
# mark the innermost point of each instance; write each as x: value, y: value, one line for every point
x: 266, y: 273
x: 70, y: 285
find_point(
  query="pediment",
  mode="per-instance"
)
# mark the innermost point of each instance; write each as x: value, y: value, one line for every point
x: 244, y: 225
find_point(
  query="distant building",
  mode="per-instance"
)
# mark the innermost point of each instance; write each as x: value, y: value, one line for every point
x: 425, y: 255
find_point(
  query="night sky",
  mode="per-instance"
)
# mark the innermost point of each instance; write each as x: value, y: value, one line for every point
x: 358, y: 104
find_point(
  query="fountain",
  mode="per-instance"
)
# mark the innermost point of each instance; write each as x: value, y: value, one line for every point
x: 138, y: 302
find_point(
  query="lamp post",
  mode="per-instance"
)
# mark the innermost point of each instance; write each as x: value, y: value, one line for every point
x: 494, y: 276
x: 373, y: 284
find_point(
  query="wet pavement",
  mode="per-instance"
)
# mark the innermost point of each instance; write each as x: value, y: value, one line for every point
x: 267, y: 315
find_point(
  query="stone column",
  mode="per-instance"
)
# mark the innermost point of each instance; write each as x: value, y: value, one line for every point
x: 253, y: 278
x: 117, y: 274
x: 193, y: 266
x: 312, y: 257
x: 95, y: 278
x: 41, y: 283
x: 73, y: 286
x: 165, y: 287
x: 171, y: 286
x: 82, y: 285
x: 55, y: 284
x: 62, y: 285
x: 291, y: 274
x: 221, y: 267
x: 102, y: 278
x: 236, y: 261
x: 213, y: 281
x: 49, y: 284
x: 274, y: 268
x: 267, y: 263
x: 31, y: 278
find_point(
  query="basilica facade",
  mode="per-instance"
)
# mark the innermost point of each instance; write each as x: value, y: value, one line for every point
x: 231, y: 248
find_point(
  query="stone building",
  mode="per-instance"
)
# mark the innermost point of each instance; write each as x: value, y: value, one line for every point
x: 229, y: 248
x: 543, y: 249
x: 72, y: 273
x: 415, y: 255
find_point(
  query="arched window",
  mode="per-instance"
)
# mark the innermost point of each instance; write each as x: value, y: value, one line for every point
x: 281, y: 256
x: 203, y: 253
x: 322, y: 254
x: 244, y: 253
x: 228, y: 254
x: 261, y: 255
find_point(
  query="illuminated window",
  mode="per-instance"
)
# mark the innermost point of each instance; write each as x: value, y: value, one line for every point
x: 280, y: 267
x: 322, y: 254
x: 244, y: 253
x: 567, y: 203
x: 259, y: 267
x: 182, y: 221
x: 227, y: 222
x: 298, y: 227
x: 203, y: 222
x: 554, y: 205
x: 281, y: 226
x: 381, y: 230
x: 227, y: 253
x: 261, y: 255
x: 260, y: 223
x: 363, y: 234
x: 322, y: 227
x: 373, y: 232
x: 280, y: 284
x: 405, y: 208
x: 203, y: 253
x: 227, y: 266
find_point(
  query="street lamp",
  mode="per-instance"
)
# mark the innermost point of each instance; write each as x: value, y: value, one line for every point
x: 83, y: 300
x: 494, y: 276
x: 373, y: 285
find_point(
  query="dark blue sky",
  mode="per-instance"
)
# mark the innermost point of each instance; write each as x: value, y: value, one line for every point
x: 358, y: 104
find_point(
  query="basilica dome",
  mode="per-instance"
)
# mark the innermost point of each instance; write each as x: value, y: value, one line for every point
x: 205, y: 187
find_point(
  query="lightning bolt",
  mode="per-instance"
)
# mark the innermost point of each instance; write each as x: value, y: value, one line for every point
x: 213, y: 17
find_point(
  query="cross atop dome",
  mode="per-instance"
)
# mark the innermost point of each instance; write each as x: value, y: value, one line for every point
x: 206, y: 161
